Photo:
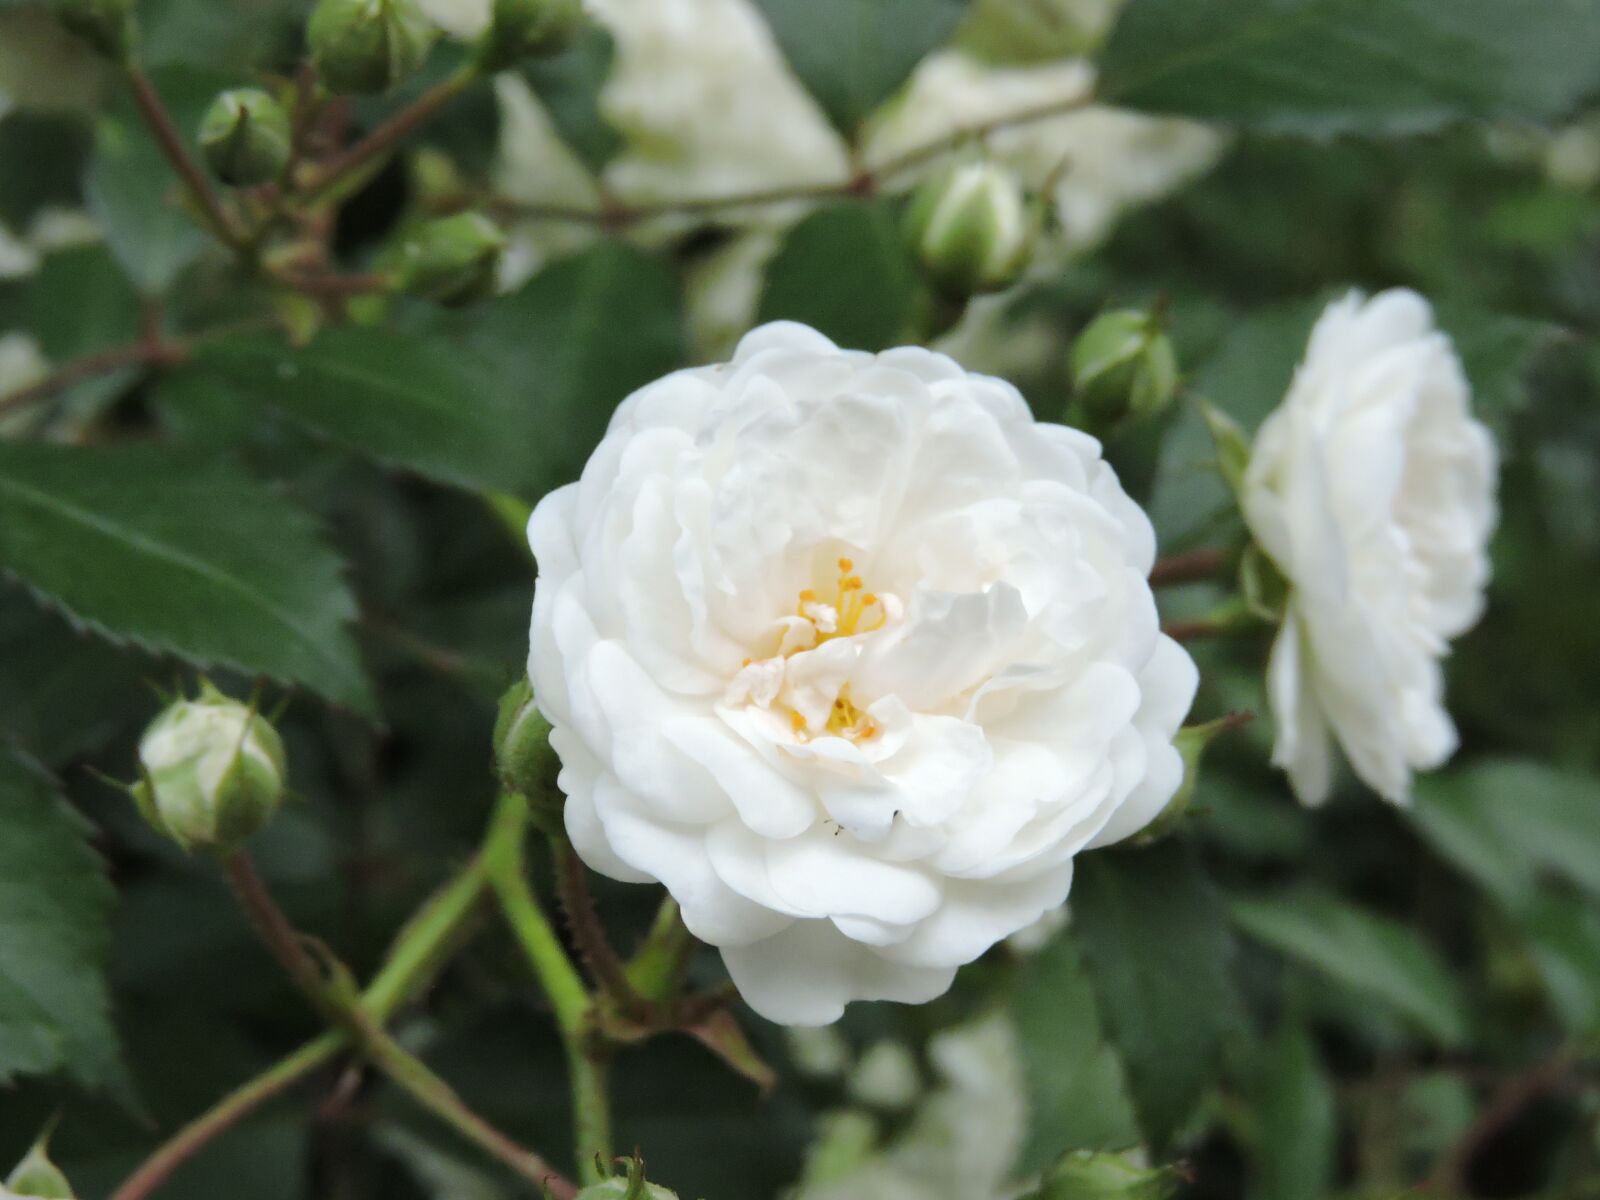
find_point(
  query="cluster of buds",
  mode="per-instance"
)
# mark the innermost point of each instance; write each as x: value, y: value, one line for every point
x: 368, y: 46
x: 211, y: 772
x: 972, y: 228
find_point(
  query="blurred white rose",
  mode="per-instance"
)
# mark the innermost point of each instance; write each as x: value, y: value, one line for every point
x: 708, y: 105
x: 961, y: 1144
x: 1373, y: 489
x: 1095, y: 161
x: 853, y: 656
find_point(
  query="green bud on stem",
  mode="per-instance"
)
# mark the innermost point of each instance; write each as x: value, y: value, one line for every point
x: 212, y: 772
x: 529, y: 29
x: 971, y: 228
x: 368, y: 46
x: 37, y: 1176
x: 245, y: 137
x: 452, y: 260
x: 1123, y: 368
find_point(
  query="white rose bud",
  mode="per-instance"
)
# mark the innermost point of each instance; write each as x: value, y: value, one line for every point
x: 971, y: 228
x: 853, y: 656
x: 212, y: 772
x: 1373, y: 490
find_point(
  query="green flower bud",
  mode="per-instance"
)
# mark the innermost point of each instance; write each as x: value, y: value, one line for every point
x: 1123, y: 367
x: 971, y: 228
x: 107, y: 25
x: 522, y: 742
x: 211, y: 772
x: 452, y: 260
x: 37, y: 1176
x: 367, y: 46
x: 245, y: 137
x: 529, y: 28
x: 632, y: 1186
x: 1093, y: 1175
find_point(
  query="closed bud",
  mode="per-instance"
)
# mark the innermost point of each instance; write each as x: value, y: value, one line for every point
x: 971, y: 228
x: 1123, y: 367
x: 37, y: 1176
x: 522, y: 742
x: 452, y: 260
x: 211, y: 771
x: 107, y: 25
x: 529, y: 28
x: 367, y: 46
x: 632, y: 1186
x: 245, y: 137
x: 1095, y: 1175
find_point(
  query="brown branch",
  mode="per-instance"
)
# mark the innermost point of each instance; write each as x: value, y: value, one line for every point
x: 1514, y: 1095
x: 1188, y: 568
x: 172, y: 145
x: 616, y: 216
x: 396, y: 129
x: 1193, y: 631
x: 141, y: 353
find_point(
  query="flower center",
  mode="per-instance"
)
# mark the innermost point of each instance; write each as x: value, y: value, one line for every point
x: 787, y: 681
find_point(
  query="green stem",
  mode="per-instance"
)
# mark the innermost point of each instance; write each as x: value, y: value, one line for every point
x: 403, y: 1068
x: 172, y: 145
x: 586, y: 1058
x: 417, y: 953
x: 505, y: 856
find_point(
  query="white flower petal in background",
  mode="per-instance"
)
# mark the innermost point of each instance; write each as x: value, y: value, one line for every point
x: 707, y: 104
x: 1373, y: 489
x: 464, y: 19
x: 1096, y: 161
x: 853, y: 656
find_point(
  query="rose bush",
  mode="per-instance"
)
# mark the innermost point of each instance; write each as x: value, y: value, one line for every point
x: 853, y: 656
x: 1373, y: 489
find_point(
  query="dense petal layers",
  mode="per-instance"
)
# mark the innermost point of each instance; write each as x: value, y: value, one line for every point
x: 853, y: 656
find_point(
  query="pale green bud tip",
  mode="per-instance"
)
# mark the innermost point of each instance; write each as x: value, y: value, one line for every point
x: 530, y: 28
x: 245, y: 137
x: 367, y: 46
x: 107, y: 25
x: 37, y: 1176
x: 211, y: 771
x: 971, y: 228
x: 1123, y: 366
x: 1093, y: 1175
x: 522, y: 742
x: 632, y: 1186
x: 453, y: 260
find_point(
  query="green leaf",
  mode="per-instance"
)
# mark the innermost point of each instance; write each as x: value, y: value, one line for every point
x: 569, y: 86
x: 1375, y: 956
x: 1295, y: 1146
x: 1156, y: 942
x: 415, y: 401
x: 182, y: 555
x: 1563, y: 936
x: 55, y: 912
x: 1077, y: 1096
x: 854, y: 54
x: 133, y: 191
x: 1505, y: 822
x: 843, y: 270
x: 1326, y: 66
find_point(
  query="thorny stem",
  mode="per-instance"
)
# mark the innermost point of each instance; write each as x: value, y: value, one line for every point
x: 594, y: 948
x: 403, y: 1068
x: 416, y: 955
x: 864, y: 183
x: 172, y: 145
x: 562, y: 984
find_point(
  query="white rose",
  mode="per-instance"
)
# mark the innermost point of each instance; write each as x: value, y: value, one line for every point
x: 853, y: 656
x: 1372, y: 488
